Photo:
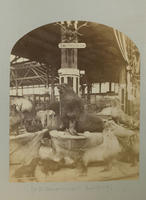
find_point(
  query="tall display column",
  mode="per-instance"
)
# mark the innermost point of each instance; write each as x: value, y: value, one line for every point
x: 69, y: 72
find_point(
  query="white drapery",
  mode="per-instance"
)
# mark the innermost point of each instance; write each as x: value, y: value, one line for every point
x: 122, y: 41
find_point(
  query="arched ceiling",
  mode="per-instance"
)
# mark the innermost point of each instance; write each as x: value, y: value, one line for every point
x: 101, y: 59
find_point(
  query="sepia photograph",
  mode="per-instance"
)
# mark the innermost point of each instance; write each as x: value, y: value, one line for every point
x: 74, y: 110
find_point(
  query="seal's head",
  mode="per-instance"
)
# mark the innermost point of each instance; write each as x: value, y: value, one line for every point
x: 65, y: 89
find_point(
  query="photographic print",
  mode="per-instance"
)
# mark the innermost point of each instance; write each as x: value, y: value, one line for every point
x: 74, y: 104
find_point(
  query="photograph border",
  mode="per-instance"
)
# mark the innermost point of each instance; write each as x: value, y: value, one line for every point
x: 20, y: 17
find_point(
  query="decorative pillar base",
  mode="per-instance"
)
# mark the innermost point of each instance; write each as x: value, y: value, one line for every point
x: 70, y: 76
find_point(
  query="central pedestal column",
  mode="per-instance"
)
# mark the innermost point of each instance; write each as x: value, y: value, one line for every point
x: 69, y: 72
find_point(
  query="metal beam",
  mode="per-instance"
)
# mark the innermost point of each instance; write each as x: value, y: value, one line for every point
x: 41, y: 76
x: 27, y: 78
x: 24, y: 65
x: 40, y: 71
